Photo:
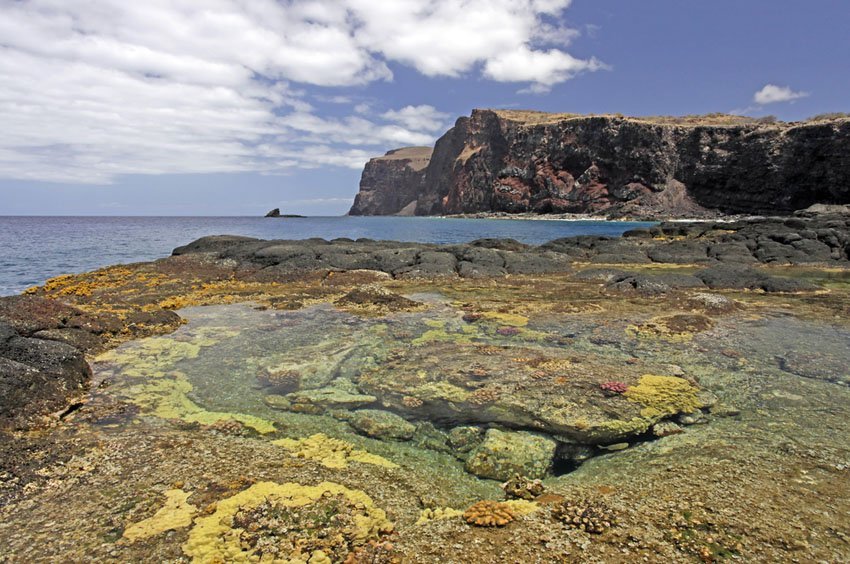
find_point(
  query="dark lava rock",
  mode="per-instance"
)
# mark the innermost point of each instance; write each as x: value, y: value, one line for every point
x: 37, y: 376
x: 213, y: 243
x: 735, y: 244
x: 639, y: 284
x: 77, y: 338
x: 29, y: 314
x: 500, y: 244
x: 376, y: 296
x: 739, y: 278
x: 536, y: 263
x: 648, y: 284
x: 601, y: 274
x: 680, y: 252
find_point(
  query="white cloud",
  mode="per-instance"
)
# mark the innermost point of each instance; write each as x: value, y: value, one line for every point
x: 542, y: 68
x: 93, y: 90
x: 449, y: 38
x: 772, y: 93
x: 418, y: 118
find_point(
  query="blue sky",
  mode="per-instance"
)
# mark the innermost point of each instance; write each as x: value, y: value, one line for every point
x: 214, y: 108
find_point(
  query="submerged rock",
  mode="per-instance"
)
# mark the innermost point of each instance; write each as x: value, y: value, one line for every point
x: 428, y: 436
x: 521, y: 487
x: 320, y: 400
x: 276, y: 401
x: 506, y: 453
x: 382, y: 424
x: 465, y: 438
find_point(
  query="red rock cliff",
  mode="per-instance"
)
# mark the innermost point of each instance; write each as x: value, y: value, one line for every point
x: 518, y: 161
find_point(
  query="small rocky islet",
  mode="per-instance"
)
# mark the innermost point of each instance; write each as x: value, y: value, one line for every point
x: 678, y: 394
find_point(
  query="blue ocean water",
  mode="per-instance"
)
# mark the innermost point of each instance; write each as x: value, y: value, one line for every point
x: 33, y: 249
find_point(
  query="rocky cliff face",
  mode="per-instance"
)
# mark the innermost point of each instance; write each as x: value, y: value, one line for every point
x: 515, y: 161
x: 391, y: 184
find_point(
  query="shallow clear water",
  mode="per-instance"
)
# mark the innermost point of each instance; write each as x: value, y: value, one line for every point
x: 780, y: 371
x: 33, y: 249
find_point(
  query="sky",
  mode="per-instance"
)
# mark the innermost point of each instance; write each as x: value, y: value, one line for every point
x: 234, y: 107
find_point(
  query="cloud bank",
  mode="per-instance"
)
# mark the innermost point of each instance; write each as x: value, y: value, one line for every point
x: 93, y: 90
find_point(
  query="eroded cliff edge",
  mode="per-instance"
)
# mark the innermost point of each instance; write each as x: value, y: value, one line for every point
x: 520, y: 161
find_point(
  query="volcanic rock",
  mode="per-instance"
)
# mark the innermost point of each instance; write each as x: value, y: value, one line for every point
x: 521, y: 161
x: 391, y: 184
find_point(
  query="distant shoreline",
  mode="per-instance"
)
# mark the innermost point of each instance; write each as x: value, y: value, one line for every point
x: 590, y: 217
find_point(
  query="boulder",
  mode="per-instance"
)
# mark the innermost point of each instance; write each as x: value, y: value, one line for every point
x: 381, y: 424
x: 320, y: 400
x: 505, y: 453
x: 37, y: 376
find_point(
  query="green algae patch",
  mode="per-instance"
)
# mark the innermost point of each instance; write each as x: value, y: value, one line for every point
x: 664, y: 395
x: 330, y: 452
x: 163, y: 392
x: 166, y: 397
x: 351, y: 519
x: 440, y: 333
x: 177, y: 513
x: 153, y: 353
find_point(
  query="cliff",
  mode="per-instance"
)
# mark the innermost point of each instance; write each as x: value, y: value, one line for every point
x: 520, y: 161
x: 391, y: 184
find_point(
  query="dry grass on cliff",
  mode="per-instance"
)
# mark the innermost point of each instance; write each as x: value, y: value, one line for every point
x: 531, y: 117
x: 418, y: 156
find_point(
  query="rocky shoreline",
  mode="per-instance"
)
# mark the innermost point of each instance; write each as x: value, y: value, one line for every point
x: 492, y: 360
x: 45, y: 336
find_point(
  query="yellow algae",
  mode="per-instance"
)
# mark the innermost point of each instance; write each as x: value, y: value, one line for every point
x: 220, y: 292
x: 621, y: 428
x: 442, y: 391
x: 175, y: 514
x: 213, y: 538
x: 521, y: 507
x: 85, y: 285
x: 664, y: 395
x: 330, y: 452
x: 166, y: 397
x: 437, y: 514
x: 511, y: 319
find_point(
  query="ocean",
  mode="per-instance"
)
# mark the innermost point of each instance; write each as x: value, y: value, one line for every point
x: 33, y: 249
